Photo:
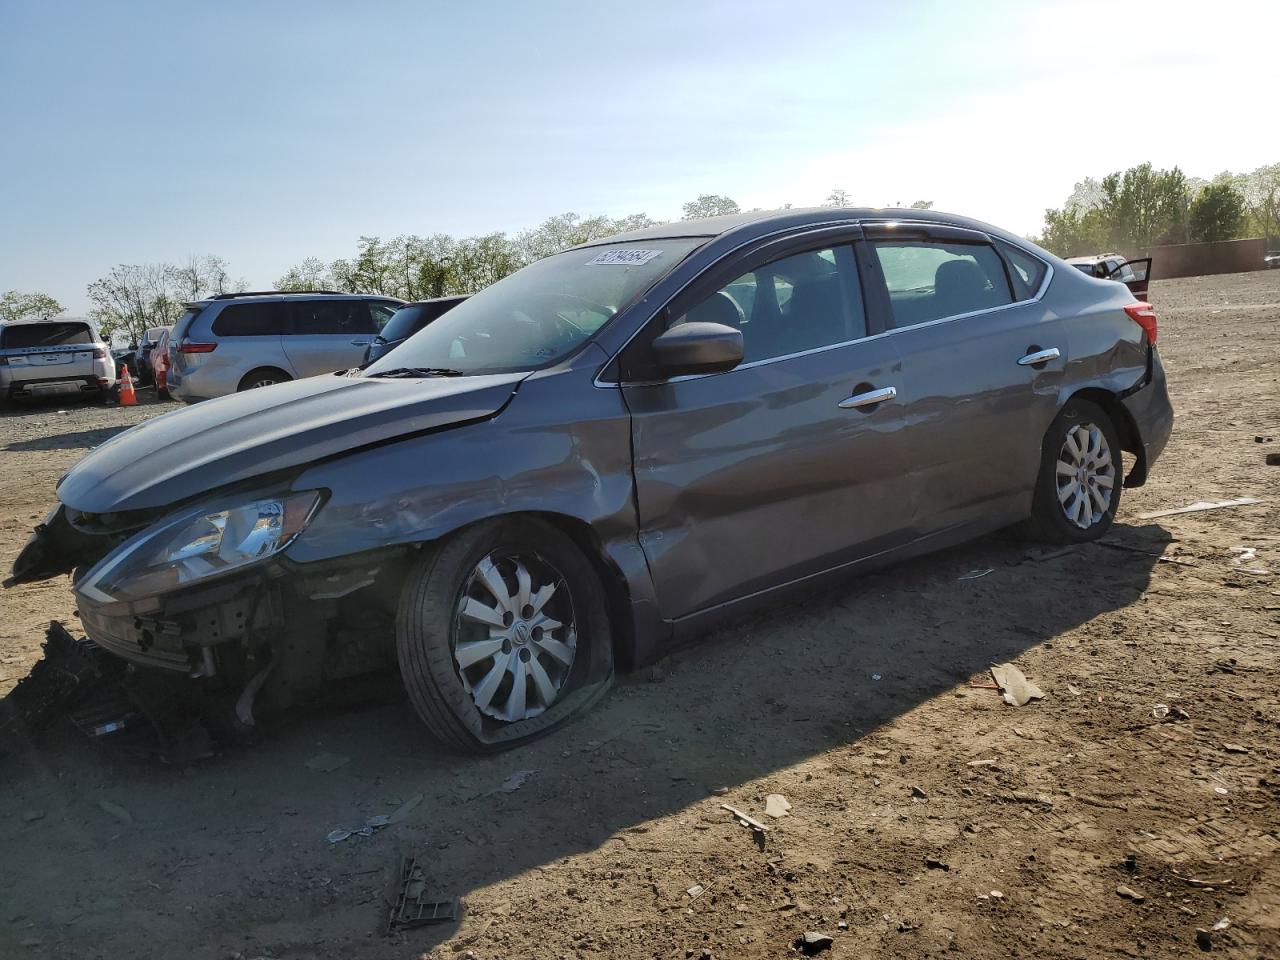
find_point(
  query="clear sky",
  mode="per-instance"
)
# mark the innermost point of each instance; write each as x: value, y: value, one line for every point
x: 266, y: 132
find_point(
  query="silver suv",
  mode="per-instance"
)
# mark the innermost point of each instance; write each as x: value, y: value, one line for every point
x: 238, y: 341
x: 53, y: 358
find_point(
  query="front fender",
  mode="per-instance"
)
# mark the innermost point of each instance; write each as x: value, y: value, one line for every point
x: 562, y: 447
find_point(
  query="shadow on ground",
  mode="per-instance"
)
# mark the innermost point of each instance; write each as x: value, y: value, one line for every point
x: 235, y: 847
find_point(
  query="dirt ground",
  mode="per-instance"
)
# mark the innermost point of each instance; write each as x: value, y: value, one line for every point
x: 926, y: 815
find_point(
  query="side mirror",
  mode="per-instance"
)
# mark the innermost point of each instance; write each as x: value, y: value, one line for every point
x: 698, y: 348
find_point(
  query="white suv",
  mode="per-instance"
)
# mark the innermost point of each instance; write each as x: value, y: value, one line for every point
x: 48, y: 358
x: 238, y: 341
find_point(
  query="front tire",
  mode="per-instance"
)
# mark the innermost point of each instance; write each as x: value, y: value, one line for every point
x: 503, y: 634
x: 1078, y: 490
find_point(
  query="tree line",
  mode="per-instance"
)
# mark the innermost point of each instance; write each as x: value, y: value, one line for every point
x: 1142, y: 207
x: 1134, y: 208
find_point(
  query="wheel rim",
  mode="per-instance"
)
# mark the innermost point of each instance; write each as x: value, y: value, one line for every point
x: 262, y: 383
x: 1086, y: 475
x: 514, y: 637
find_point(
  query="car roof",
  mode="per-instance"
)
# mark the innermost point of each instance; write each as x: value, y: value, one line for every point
x: 1095, y: 258
x: 291, y: 295
x: 758, y: 223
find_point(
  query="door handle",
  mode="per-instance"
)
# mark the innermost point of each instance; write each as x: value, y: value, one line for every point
x: 868, y: 399
x: 1039, y: 357
x: 359, y: 343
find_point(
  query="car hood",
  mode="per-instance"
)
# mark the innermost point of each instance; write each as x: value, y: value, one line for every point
x: 219, y: 442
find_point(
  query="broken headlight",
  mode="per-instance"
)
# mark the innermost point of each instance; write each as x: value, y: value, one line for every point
x: 199, y: 543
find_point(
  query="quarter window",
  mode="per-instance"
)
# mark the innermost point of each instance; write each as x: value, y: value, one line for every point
x: 263, y: 319
x: 929, y: 280
x: 1027, y: 272
x: 798, y: 303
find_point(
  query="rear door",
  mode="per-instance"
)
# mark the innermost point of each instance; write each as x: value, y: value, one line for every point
x: 328, y: 334
x: 983, y: 361
x: 1134, y: 274
x: 788, y: 464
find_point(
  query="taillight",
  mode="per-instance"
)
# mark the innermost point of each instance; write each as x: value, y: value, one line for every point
x: 99, y: 353
x: 187, y: 346
x: 1144, y: 315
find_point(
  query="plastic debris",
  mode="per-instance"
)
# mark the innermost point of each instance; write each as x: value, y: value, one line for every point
x: 1073, y: 690
x: 1111, y: 544
x: 411, y: 907
x: 117, y: 811
x: 327, y: 762
x: 975, y: 574
x: 812, y: 942
x: 1244, y: 554
x: 367, y: 829
x: 1016, y: 689
x: 1130, y: 894
x: 876, y: 677
x: 1160, y: 711
x: 337, y: 836
x: 1200, y: 506
x: 515, y: 781
x: 402, y: 812
x: 696, y: 891
x: 777, y: 806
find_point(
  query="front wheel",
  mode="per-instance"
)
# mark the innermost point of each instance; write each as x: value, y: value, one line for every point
x: 502, y: 634
x: 1078, y: 490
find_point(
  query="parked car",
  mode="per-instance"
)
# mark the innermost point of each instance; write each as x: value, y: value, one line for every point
x: 145, y: 351
x: 1271, y: 260
x: 407, y: 321
x: 48, y: 358
x: 160, y: 364
x: 610, y: 450
x: 1134, y: 274
x: 240, y: 341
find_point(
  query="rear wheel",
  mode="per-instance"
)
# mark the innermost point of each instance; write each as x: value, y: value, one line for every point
x: 502, y: 634
x: 1078, y: 489
x: 263, y: 377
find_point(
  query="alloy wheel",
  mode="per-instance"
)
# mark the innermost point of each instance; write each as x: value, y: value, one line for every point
x: 1086, y: 475
x: 514, y: 637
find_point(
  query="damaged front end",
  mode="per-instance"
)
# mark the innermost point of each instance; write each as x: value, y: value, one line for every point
x: 201, y: 600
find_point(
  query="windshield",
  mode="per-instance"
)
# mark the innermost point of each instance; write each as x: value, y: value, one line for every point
x: 540, y: 314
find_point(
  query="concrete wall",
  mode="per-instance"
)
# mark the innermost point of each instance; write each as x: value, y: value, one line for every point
x: 1198, y: 259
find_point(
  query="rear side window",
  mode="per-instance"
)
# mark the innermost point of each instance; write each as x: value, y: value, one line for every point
x: 45, y: 335
x: 929, y: 280
x: 345, y: 317
x: 252, y: 320
x: 381, y: 313
x: 1026, y: 272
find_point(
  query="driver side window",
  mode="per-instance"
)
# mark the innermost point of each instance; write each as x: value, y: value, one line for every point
x: 798, y: 303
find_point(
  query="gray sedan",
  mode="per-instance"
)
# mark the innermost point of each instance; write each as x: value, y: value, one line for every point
x: 610, y: 450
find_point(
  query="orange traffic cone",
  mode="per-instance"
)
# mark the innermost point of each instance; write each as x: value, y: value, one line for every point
x: 127, y: 397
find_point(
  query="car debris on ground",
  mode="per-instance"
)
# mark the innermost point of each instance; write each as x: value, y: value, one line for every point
x: 1199, y: 506
x: 411, y: 906
x: 1015, y: 688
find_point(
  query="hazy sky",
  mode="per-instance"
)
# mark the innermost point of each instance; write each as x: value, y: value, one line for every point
x: 267, y: 132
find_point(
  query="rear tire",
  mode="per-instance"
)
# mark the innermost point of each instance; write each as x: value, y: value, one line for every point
x: 1078, y: 489
x: 501, y: 603
x: 262, y: 377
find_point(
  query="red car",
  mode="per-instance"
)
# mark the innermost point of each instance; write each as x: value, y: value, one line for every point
x: 160, y: 364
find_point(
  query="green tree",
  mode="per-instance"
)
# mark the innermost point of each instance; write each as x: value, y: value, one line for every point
x: 134, y: 297
x: 15, y: 305
x: 1216, y: 213
x: 708, y: 205
x: 837, y: 198
x: 1261, y: 192
x: 922, y: 205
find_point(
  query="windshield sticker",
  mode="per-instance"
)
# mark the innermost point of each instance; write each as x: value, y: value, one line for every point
x: 625, y: 258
